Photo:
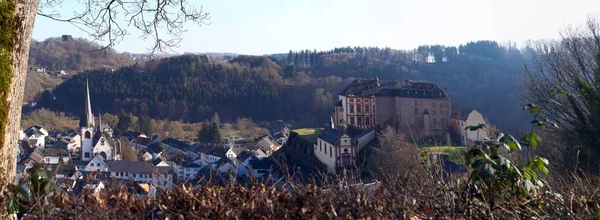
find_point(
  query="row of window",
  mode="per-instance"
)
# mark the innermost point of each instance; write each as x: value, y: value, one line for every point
x: 359, y: 109
x: 323, y: 145
x: 359, y: 121
x: 433, y: 105
x: 433, y: 121
x: 135, y: 175
x: 358, y: 100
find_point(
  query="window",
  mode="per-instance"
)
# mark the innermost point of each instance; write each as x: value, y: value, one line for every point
x: 320, y: 145
x: 416, y: 103
x: 351, y: 100
x: 47, y: 160
x: 341, y: 121
x: 330, y: 152
x: 359, y: 109
x: 416, y: 111
x: 442, y: 122
x: 434, y: 121
x: 102, y: 142
x: 360, y: 121
x: 87, y: 155
x: 325, y: 149
x: 366, y: 100
x: 373, y: 109
x: 366, y: 109
x: 135, y: 175
x: 433, y: 104
x: 367, y: 121
x: 352, y: 120
x: 351, y: 108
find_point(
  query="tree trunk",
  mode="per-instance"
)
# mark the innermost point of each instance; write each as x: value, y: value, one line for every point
x: 16, y: 27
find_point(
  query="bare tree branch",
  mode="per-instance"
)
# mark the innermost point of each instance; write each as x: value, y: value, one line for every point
x: 107, y: 20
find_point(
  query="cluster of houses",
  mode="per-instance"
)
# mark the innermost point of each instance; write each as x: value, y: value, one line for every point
x: 92, y: 157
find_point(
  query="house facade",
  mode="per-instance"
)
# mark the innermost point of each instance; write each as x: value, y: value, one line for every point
x: 339, y: 148
x: 463, y: 118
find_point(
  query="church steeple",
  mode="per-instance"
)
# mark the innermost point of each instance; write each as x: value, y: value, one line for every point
x: 88, y: 107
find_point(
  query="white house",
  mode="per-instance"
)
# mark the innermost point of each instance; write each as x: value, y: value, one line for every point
x: 463, y: 118
x: 96, y: 164
x: 339, y: 148
x: 141, y: 171
x: 53, y: 156
x: 36, y: 135
x: 190, y: 170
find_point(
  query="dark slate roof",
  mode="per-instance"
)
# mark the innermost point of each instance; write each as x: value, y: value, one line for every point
x: 61, y: 144
x: 177, y: 144
x: 415, y: 89
x: 130, y: 135
x: 157, y: 147
x: 49, y: 152
x: 33, y: 130
x: 218, y: 151
x: 330, y: 136
x: 462, y: 114
x: 135, y: 167
x: 367, y: 87
x: 239, y: 150
x: 262, y: 164
x: 142, y: 141
x: 244, y: 155
x: 156, y: 161
x: 81, y: 184
x: 339, y: 104
x: 202, y: 148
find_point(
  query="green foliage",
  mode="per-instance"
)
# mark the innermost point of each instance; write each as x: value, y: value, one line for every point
x: 494, y: 175
x: 39, y: 184
x: 124, y: 122
x: 210, y: 133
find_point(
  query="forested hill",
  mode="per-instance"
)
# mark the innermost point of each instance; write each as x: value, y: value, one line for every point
x: 73, y: 55
x: 301, y: 86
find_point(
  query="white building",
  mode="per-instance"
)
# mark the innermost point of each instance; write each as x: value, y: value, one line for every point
x: 463, y: 118
x: 339, y: 148
x: 35, y: 135
x: 141, y: 171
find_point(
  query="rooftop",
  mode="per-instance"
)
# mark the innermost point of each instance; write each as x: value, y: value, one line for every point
x: 367, y: 87
x: 415, y: 89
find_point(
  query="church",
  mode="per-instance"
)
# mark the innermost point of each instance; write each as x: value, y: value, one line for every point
x: 97, y: 140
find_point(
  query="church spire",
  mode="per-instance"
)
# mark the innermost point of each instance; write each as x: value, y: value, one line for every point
x: 88, y: 107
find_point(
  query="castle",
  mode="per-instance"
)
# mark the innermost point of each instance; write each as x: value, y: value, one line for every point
x: 97, y: 140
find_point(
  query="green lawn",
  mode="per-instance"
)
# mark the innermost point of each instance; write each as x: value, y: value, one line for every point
x: 309, y: 134
x: 455, y: 154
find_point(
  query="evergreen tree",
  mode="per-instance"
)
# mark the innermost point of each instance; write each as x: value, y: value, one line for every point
x: 124, y: 122
x: 145, y: 124
x: 215, y: 134
x: 290, y: 58
x: 216, y: 119
x: 204, y: 135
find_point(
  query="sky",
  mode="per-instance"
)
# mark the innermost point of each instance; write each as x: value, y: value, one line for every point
x: 278, y: 26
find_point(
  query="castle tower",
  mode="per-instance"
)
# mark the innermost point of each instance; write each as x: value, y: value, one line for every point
x: 87, y: 128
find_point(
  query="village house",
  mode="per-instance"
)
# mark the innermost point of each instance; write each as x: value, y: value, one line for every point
x: 463, y: 118
x: 141, y: 171
x: 35, y: 135
x: 339, y: 148
x: 140, y: 143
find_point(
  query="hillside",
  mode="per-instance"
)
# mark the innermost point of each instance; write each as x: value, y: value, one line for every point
x: 73, y: 55
x: 302, y: 87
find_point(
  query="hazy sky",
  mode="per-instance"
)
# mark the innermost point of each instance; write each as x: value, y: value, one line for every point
x: 276, y: 26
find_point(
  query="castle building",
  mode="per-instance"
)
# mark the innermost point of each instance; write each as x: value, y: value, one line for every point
x: 416, y: 109
x: 356, y: 105
x: 97, y: 140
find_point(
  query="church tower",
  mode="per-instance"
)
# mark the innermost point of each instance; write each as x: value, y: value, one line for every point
x: 87, y: 128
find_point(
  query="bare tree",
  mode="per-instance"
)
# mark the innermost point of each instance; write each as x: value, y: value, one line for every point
x: 108, y: 20
x: 160, y: 20
x: 564, y: 82
x: 395, y: 156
